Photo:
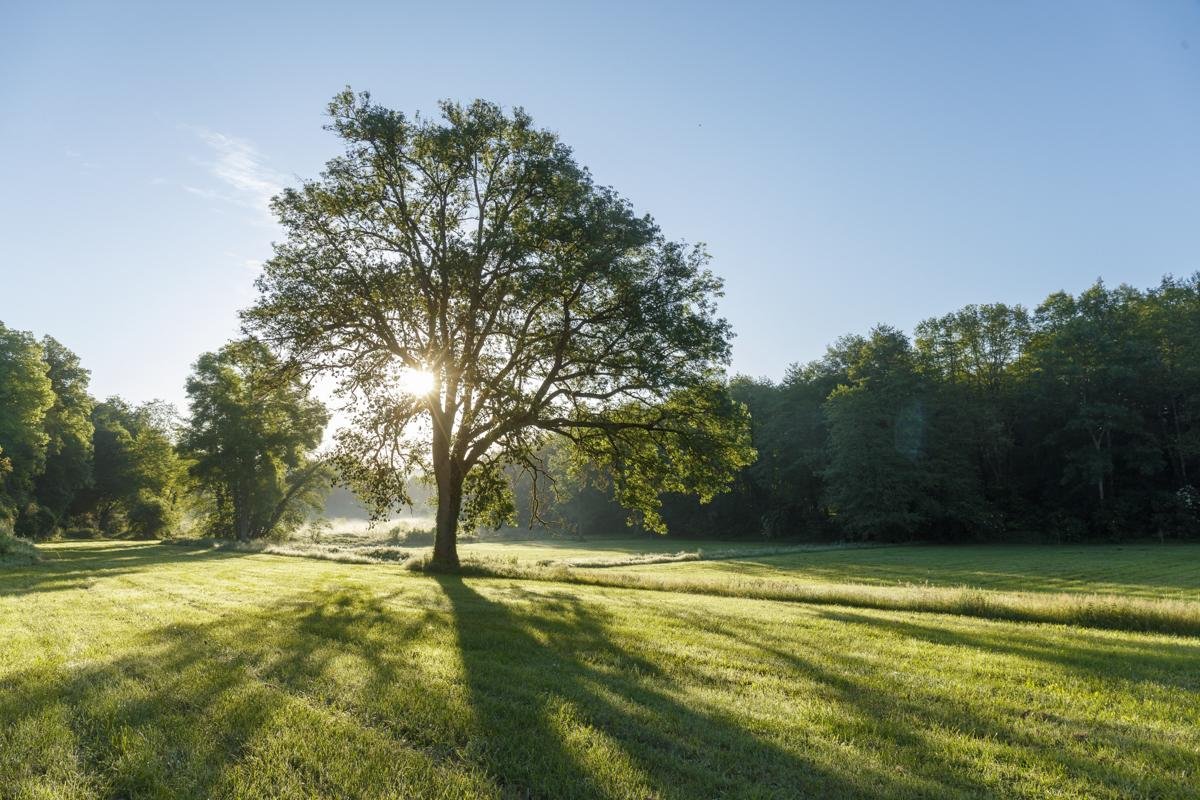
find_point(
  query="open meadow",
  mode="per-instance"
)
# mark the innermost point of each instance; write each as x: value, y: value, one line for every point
x: 643, y: 401
x: 151, y: 670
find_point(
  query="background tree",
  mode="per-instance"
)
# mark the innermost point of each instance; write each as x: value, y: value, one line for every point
x: 68, y: 425
x: 252, y: 433
x: 476, y: 252
x: 26, y: 395
x: 1171, y: 320
x: 1093, y: 363
x: 973, y: 356
x: 899, y: 460
x: 796, y: 433
x: 139, y: 480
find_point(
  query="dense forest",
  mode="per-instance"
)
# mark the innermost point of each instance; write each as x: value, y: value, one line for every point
x: 1077, y: 421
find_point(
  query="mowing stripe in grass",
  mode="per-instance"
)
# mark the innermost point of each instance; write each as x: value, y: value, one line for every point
x: 1094, y: 610
x: 136, y: 670
x: 1110, y: 612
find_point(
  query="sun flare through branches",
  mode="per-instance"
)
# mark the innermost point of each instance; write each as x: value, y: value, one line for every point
x: 416, y: 382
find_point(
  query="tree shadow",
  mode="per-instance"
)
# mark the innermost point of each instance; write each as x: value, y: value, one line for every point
x: 262, y: 704
x: 131, y: 726
x: 1092, y: 757
x: 78, y: 566
x: 1165, y: 661
x: 482, y: 689
x: 593, y: 715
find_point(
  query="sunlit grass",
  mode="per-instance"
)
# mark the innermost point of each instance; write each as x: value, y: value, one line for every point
x: 1153, y: 571
x: 139, y: 670
x: 1094, y: 610
x: 1068, y: 585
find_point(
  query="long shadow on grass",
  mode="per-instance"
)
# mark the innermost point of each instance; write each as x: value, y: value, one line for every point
x: 1088, y: 653
x: 882, y: 711
x: 561, y: 711
x: 79, y: 566
x: 259, y: 704
x: 443, y: 691
x: 163, y: 722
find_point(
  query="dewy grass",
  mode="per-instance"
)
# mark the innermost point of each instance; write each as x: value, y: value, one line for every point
x: 357, y: 554
x: 1093, y: 610
x: 137, y: 670
x: 1149, y: 570
x: 699, y: 554
x: 1132, y: 611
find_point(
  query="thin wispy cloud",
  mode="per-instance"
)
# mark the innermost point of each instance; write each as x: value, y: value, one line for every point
x: 241, y: 168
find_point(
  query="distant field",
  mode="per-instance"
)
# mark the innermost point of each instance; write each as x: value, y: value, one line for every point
x: 567, y: 551
x: 358, y: 537
x: 143, y: 670
x: 1155, y: 592
x: 1153, y: 571
x: 1148, y: 570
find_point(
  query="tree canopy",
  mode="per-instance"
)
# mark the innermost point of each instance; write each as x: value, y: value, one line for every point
x: 1079, y: 419
x: 26, y: 396
x: 68, y: 470
x: 139, y: 479
x: 251, y: 436
x: 474, y: 250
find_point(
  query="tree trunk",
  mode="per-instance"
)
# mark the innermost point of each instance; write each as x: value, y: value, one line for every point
x: 298, y: 482
x: 243, y: 527
x: 445, y: 544
x: 1183, y: 477
x: 1097, y: 441
x: 449, y: 475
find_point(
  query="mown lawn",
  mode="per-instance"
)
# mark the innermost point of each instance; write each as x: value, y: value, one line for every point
x: 1157, y: 571
x: 566, y: 549
x: 558, y: 550
x: 141, y: 670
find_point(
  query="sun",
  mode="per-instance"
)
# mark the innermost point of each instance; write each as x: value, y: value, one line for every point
x: 417, y: 382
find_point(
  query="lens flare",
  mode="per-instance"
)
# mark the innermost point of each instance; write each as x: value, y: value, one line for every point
x: 416, y: 382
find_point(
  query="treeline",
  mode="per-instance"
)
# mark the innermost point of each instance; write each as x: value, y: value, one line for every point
x: 1077, y: 421
x: 239, y: 464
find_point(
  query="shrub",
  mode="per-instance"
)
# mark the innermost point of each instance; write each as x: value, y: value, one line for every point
x: 13, y: 549
x: 315, y: 531
x: 37, y: 522
x: 151, y: 516
x: 83, y: 532
x: 412, y: 537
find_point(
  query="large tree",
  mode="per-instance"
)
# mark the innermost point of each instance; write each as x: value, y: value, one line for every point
x: 475, y: 294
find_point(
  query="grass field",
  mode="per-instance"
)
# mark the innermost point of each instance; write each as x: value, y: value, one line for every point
x: 144, y: 670
x: 1145, y: 570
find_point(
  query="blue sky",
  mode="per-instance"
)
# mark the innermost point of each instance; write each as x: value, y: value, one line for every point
x: 847, y: 163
